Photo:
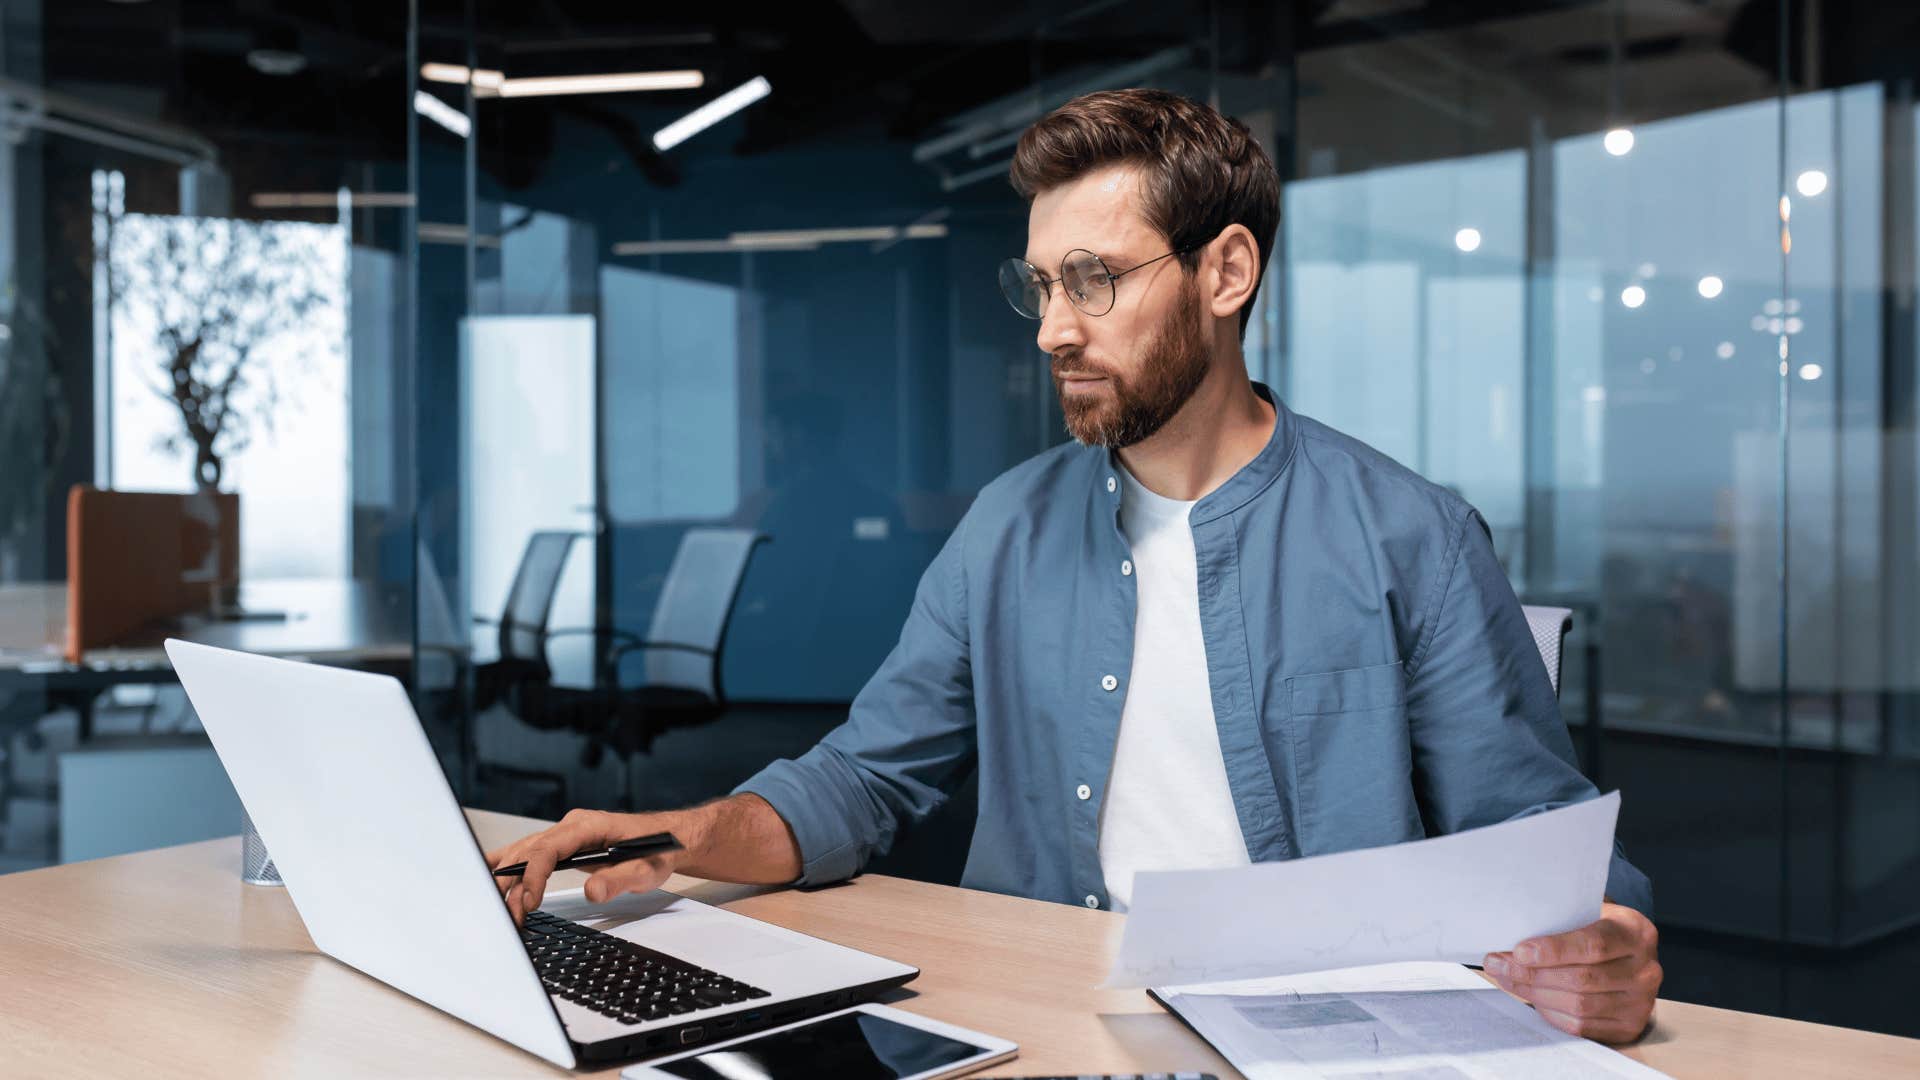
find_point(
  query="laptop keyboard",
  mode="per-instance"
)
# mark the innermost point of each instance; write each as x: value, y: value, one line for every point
x: 617, y: 978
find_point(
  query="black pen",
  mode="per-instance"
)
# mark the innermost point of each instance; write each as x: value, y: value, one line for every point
x: 626, y: 850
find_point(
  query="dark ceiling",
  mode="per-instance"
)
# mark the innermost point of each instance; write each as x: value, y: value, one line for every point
x: 853, y: 67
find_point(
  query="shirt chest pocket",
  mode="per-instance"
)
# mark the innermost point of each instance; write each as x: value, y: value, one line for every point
x: 1353, y: 758
x: 1355, y: 690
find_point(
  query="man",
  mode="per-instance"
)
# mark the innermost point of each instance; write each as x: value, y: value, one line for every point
x: 1208, y: 632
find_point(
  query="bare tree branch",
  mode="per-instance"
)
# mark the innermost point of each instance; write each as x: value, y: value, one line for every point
x: 233, y: 307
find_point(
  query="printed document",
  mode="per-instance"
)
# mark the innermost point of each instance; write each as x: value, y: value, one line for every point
x: 1418, y: 1021
x: 1456, y: 897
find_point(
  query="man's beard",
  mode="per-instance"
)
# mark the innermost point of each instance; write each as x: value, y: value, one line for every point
x: 1172, y: 366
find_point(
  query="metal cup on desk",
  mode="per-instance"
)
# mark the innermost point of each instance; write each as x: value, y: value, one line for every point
x: 256, y: 865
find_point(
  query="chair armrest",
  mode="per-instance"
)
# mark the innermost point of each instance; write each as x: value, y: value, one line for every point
x: 633, y: 644
x: 458, y: 652
x: 580, y: 631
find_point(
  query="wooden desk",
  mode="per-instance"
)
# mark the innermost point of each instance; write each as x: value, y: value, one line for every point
x: 164, y: 964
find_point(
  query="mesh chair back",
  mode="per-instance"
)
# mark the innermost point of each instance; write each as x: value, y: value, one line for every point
x: 695, y: 603
x: 530, y: 602
x: 1550, y: 626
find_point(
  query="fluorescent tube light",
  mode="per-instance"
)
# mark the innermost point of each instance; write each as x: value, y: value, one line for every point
x: 544, y: 86
x: 442, y: 113
x: 482, y: 78
x: 701, y: 247
x: 313, y: 200
x: 712, y: 113
x: 816, y: 236
x: 783, y: 240
x: 443, y: 232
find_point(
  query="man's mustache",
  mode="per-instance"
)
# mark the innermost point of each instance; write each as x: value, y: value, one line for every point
x: 1075, y: 363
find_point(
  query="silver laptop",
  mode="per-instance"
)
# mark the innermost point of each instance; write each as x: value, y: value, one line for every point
x: 339, y: 778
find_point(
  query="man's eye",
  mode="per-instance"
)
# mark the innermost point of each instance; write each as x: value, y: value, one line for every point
x: 1099, y: 281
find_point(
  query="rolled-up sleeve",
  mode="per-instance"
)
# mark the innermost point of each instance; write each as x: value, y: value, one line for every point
x: 1488, y: 741
x: 908, y: 740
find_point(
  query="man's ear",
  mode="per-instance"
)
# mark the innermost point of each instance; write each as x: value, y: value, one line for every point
x: 1236, y: 266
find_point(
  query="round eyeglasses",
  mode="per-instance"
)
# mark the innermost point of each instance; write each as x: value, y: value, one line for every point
x: 1089, y: 284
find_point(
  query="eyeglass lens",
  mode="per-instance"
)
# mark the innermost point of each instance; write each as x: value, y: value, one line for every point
x: 1088, y: 283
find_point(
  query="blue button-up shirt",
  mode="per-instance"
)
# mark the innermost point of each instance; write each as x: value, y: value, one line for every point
x: 1373, y: 677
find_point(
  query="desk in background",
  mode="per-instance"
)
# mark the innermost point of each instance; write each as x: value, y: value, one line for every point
x: 163, y: 964
x: 337, y: 621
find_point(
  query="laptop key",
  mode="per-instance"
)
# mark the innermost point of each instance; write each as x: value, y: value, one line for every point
x: 620, y: 979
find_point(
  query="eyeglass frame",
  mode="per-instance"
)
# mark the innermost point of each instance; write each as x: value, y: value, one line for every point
x: 1046, y: 283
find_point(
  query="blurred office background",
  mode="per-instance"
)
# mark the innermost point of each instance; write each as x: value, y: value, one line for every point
x: 626, y: 445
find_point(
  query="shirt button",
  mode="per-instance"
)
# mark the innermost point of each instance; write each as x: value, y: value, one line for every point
x: 1083, y: 791
x: 1112, y: 483
x: 1108, y: 682
x: 1093, y: 901
x: 1126, y: 567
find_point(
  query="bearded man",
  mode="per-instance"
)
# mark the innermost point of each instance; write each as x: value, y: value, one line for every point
x: 1206, y: 632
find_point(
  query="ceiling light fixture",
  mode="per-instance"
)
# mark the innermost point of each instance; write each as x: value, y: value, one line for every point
x: 487, y: 82
x: 442, y: 113
x: 483, y: 79
x: 784, y: 240
x: 700, y: 247
x: 712, y: 113
x: 838, y: 236
x: 316, y: 200
x: 621, y: 83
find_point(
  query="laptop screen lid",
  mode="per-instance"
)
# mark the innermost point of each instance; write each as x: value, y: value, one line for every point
x: 338, y: 776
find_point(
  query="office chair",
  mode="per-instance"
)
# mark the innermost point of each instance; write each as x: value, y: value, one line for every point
x: 681, y: 653
x: 1550, y: 626
x: 520, y: 677
x: 520, y: 672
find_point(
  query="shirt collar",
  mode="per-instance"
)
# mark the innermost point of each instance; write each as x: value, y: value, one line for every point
x: 1241, y: 488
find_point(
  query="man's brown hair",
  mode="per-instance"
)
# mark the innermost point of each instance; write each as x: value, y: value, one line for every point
x: 1201, y: 171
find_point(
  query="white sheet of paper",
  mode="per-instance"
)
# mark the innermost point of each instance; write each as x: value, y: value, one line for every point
x: 1456, y: 898
x: 1409, y: 1021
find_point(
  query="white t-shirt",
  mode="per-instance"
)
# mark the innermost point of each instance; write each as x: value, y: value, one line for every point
x: 1167, y: 804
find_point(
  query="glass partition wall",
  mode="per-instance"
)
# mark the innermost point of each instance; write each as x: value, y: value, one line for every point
x: 203, y: 280
x: 540, y: 337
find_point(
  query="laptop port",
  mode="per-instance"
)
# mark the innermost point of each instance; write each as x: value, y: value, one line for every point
x: 691, y: 1035
x: 753, y: 1017
x: 723, y: 1025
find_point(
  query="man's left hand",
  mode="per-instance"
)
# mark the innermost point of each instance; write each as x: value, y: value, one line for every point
x: 1598, y: 982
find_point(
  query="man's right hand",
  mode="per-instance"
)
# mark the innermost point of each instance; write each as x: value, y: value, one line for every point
x: 582, y: 830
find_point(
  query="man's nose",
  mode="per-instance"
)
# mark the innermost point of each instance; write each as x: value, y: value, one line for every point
x: 1060, y: 325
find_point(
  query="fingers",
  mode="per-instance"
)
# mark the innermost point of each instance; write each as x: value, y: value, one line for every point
x: 1599, y: 1029
x: 1612, y: 975
x: 1620, y: 931
x: 1611, y: 1001
x: 540, y: 851
x: 533, y: 883
x: 640, y: 875
x: 1592, y: 944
